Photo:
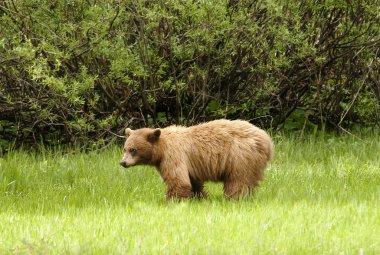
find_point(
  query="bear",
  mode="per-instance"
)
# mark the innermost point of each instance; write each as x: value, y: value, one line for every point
x: 234, y: 152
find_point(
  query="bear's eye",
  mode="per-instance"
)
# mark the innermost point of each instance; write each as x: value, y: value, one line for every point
x: 132, y: 151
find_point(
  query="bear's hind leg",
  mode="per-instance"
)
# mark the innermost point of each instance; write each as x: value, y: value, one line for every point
x: 239, y: 183
x: 232, y: 189
x: 237, y: 189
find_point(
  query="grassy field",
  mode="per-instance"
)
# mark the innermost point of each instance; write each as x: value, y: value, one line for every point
x: 320, y: 196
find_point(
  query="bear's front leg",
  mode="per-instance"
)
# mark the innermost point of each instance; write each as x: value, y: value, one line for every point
x: 179, y: 193
x: 177, y: 181
x: 198, y: 189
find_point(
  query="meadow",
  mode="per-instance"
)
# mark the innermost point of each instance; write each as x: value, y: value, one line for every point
x: 321, y: 195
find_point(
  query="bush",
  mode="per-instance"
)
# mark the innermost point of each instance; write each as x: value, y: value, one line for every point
x: 74, y: 71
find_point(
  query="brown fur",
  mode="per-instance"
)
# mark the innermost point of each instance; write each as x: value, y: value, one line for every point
x: 234, y: 152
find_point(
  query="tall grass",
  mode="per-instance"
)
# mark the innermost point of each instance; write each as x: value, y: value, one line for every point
x: 320, y: 196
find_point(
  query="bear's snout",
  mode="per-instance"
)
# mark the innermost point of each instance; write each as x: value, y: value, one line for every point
x: 123, y: 164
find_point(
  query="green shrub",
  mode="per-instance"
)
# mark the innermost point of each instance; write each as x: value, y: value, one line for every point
x: 76, y: 71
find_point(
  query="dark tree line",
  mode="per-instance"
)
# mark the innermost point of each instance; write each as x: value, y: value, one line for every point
x: 79, y: 71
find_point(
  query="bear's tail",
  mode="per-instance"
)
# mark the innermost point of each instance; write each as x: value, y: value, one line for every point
x: 270, y: 152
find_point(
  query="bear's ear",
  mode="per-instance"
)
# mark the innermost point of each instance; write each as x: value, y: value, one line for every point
x: 153, y: 136
x: 127, y: 132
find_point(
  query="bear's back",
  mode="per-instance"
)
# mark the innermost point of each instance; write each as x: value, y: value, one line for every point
x: 213, y: 148
x: 217, y: 145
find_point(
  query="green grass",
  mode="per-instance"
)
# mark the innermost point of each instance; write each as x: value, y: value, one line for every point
x: 320, y: 196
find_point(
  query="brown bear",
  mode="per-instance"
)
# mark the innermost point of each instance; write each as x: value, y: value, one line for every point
x: 234, y: 152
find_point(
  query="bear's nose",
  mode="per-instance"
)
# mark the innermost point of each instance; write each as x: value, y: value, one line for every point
x: 123, y: 163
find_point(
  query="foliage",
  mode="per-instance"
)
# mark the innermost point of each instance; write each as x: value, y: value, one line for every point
x: 75, y: 71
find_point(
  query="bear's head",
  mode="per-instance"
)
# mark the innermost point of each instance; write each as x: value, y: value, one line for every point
x: 139, y: 146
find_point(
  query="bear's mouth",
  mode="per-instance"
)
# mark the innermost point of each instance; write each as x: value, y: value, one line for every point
x: 124, y: 164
